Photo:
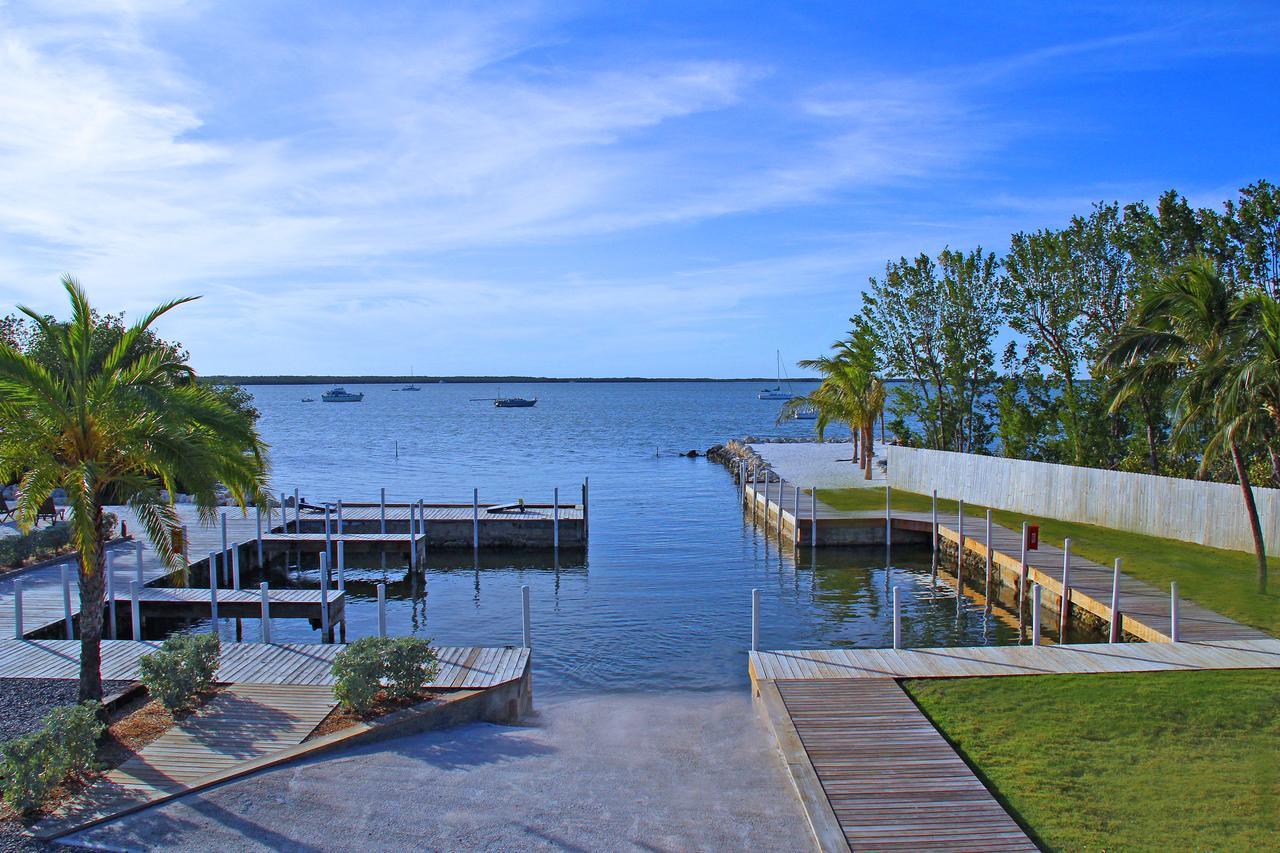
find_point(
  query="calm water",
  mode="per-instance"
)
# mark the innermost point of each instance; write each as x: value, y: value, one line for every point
x: 662, y: 597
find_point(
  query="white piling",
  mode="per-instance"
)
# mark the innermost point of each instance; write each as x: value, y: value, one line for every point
x: 755, y: 620
x: 1064, y: 616
x: 297, y: 510
x: 779, y: 529
x: 526, y: 620
x: 235, y: 567
x: 586, y: 501
x: 66, y: 602
x: 382, y: 610
x: 813, y: 517
x: 1114, y: 632
x: 413, y: 537
x: 264, y: 592
x: 1173, y: 611
x: 111, y: 595
x: 342, y: 566
x: 555, y: 519
x: 18, y: 633
x: 223, y: 568
x: 888, y: 525
x: 959, y: 553
x: 324, y: 598
x: 986, y: 593
x: 213, y: 593
x: 135, y: 609
x: 935, y: 521
x: 897, y: 620
x: 475, y: 519
x: 1035, y: 614
x: 382, y: 510
x: 339, y: 516
x: 795, y: 516
x: 328, y: 532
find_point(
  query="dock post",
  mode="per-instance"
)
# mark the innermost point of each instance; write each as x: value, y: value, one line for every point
x: 297, y: 510
x: 755, y: 620
x: 66, y: 603
x: 259, y: 537
x: 382, y: 610
x: 18, y: 633
x: 137, y: 550
x: 1023, y: 577
x: 235, y: 567
x: 813, y: 517
x: 223, y: 568
x: 1114, y: 632
x: 328, y: 532
x: 426, y: 540
x: 888, y: 526
x: 475, y: 519
x: 987, y: 587
x: 264, y: 592
x: 324, y: 599
x: 284, y: 518
x: 413, y: 537
x: 555, y: 518
x: 795, y: 516
x: 526, y: 620
x: 111, y: 595
x: 1035, y: 614
x: 339, y: 516
x: 1173, y: 612
x: 135, y: 609
x: 382, y: 510
x: 586, y: 494
x: 342, y: 566
x: 755, y: 479
x: 897, y: 620
x: 779, y: 528
x: 1064, y: 616
x: 935, y: 524
x: 959, y: 553
x: 213, y: 595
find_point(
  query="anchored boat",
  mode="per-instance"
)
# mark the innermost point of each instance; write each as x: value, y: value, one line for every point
x: 342, y: 395
x: 515, y: 402
x: 776, y: 392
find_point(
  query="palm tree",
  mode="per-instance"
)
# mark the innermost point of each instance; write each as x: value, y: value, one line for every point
x: 122, y: 423
x: 1191, y: 326
x: 1255, y: 385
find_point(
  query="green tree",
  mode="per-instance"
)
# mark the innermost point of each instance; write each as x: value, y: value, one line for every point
x: 1189, y: 326
x: 127, y: 421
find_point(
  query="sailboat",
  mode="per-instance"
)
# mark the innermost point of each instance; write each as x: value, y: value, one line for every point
x: 776, y: 392
x: 411, y: 386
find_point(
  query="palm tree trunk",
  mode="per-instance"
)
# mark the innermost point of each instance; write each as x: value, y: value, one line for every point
x: 1153, y: 459
x: 92, y: 589
x: 1259, y: 546
x: 867, y: 441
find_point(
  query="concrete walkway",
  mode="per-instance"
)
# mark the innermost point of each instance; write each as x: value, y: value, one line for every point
x: 672, y: 771
x: 825, y: 465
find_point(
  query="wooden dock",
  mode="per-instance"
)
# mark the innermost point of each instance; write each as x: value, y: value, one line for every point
x: 255, y: 663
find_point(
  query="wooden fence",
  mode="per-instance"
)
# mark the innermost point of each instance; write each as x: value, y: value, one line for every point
x: 1189, y: 510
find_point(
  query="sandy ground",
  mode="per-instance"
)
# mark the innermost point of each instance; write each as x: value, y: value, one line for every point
x: 826, y: 466
x: 678, y: 771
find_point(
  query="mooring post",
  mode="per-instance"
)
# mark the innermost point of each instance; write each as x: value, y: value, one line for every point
x: 1064, y: 615
x: 779, y: 528
x: 339, y: 516
x: 1173, y: 612
x: 297, y: 509
x: 135, y: 609
x: 223, y: 568
x: 813, y: 517
x: 987, y: 588
x: 413, y: 537
x: 325, y: 630
x: 934, y: 529
x: 888, y: 525
x: 328, y: 532
x: 555, y: 518
x: 258, y: 510
x: 1022, y: 585
x: 235, y: 567
x: 1113, y: 635
x: 586, y: 492
x: 342, y: 566
x: 426, y: 540
x: 111, y: 595
x: 18, y: 633
x: 213, y: 595
x: 755, y: 620
x: 526, y: 619
x: 897, y: 620
x: 264, y: 593
x: 959, y: 552
x: 382, y: 610
x: 66, y: 602
x: 795, y: 516
x: 755, y: 478
x: 1035, y: 614
x: 475, y: 519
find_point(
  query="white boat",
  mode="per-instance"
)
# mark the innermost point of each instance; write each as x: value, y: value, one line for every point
x: 776, y: 392
x: 341, y: 395
x: 805, y: 414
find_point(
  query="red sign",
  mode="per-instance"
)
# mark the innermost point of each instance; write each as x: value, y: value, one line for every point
x: 1033, y: 537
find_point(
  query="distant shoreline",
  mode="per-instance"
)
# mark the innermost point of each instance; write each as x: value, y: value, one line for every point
x: 462, y: 380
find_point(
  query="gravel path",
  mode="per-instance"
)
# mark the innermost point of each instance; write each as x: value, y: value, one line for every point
x: 826, y: 466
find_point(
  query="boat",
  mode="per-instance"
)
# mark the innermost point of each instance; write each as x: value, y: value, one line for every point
x: 805, y: 414
x: 411, y: 386
x: 776, y: 392
x: 308, y: 399
x: 515, y: 402
x: 341, y: 395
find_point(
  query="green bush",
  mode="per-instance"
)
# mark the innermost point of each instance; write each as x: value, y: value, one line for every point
x: 409, y: 662
x: 402, y: 663
x: 35, y: 764
x: 183, y: 669
x: 44, y: 542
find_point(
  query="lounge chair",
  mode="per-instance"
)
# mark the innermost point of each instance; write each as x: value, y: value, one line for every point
x: 50, y: 511
x: 6, y: 511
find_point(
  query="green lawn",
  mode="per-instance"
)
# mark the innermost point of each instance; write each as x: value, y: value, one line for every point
x: 1225, y: 581
x: 1135, y: 761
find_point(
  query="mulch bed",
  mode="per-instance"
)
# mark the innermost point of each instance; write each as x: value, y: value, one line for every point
x: 24, y: 702
x: 342, y: 718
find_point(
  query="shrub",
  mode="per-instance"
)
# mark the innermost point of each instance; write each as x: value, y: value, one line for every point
x: 408, y: 663
x: 76, y: 728
x: 44, y: 542
x: 35, y: 764
x: 183, y: 669
x: 357, y: 672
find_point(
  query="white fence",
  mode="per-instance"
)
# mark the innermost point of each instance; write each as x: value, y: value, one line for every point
x: 1190, y: 510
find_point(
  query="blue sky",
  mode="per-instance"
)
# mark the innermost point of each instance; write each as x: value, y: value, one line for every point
x: 658, y: 189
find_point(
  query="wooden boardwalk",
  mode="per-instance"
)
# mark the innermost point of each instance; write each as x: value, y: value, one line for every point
x: 242, y: 723
x: 255, y: 663
x: 874, y: 774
